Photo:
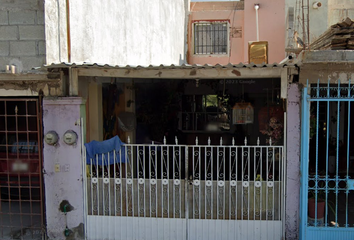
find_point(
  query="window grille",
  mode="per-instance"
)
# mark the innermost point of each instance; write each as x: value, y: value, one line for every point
x: 210, y: 38
x: 204, y: 113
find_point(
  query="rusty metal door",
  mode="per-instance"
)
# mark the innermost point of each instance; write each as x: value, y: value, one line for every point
x: 21, y: 209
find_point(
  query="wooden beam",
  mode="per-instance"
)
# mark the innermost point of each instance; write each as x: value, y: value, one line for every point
x: 29, y: 77
x: 189, y: 73
x: 293, y: 50
x: 284, y: 84
x: 74, y: 82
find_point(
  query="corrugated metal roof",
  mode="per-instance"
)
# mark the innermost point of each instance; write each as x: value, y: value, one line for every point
x: 163, y: 66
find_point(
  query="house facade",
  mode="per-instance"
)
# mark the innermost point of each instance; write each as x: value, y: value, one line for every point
x: 37, y: 103
x: 191, y: 168
x: 173, y: 155
x: 180, y: 109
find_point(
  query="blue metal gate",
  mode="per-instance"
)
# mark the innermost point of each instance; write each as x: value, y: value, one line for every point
x: 327, y: 162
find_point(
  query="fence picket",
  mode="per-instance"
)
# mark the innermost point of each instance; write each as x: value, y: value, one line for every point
x: 238, y: 186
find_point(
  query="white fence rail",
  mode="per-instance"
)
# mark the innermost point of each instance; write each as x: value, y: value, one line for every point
x: 185, y: 192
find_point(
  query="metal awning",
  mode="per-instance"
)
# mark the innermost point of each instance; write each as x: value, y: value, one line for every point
x: 184, y: 71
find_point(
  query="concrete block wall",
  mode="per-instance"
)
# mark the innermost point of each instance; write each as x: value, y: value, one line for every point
x: 22, y: 34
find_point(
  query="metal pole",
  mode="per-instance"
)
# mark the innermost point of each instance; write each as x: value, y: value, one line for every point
x: 186, y: 191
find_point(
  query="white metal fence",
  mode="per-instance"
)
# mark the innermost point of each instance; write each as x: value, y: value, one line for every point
x: 185, y: 192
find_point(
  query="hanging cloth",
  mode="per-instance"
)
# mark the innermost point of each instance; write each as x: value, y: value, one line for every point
x: 102, y: 153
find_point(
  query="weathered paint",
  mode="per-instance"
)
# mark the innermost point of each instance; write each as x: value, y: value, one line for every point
x: 30, y: 88
x: 12, y: 92
x: 60, y: 115
x: 293, y: 163
x: 117, y: 32
x: 325, y: 65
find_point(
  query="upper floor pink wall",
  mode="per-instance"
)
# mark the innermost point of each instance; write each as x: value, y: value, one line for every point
x: 271, y: 20
x: 213, y: 11
x: 241, y: 16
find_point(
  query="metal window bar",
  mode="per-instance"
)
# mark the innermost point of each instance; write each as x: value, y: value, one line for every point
x: 20, y: 168
x: 210, y: 38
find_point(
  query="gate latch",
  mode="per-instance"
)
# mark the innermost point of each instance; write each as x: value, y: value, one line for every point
x: 350, y: 184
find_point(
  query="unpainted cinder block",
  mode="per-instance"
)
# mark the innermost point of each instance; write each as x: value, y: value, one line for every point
x: 4, y: 48
x: 4, y: 20
x: 32, y: 62
x: 32, y: 32
x: 8, y: 33
x: 41, y: 48
x: 40, y: 17
x: 22, y: 17
x: 23, y: 48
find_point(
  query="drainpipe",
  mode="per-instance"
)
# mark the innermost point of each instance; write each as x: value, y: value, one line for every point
x: 256, y: 7
x: 59, y: 28
x: 68, y: 30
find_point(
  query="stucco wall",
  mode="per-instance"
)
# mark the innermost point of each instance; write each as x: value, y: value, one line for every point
x: 340, y: 9
x: 117, y: 31
x: 330, y: 12
x: 215, y: 11
x: 318, y: 18
x: 60, y: 115
x: 271, y: 15
x: 326, y: 65
x: 271, y: 19
x: 22, y: 41
x: 293, y: 163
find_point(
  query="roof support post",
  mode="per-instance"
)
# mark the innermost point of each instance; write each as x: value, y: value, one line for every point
x: 284, y: 83
x: 73, y: 82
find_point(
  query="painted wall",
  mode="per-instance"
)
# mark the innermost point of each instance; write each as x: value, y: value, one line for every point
x: 315, y: 65
x: 339, y: 9
x: 117, y: 32
x: 318, y: 18
x: 22, y: 41
x: 271, y: 15
x: 293, y: 163
x: 60, y: 115
x: 218, y: 11
x: 326, y: 65
x: 271, y: 28
x: 330, y: 12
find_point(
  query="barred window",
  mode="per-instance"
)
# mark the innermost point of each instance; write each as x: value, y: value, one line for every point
x: 210, y: 38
